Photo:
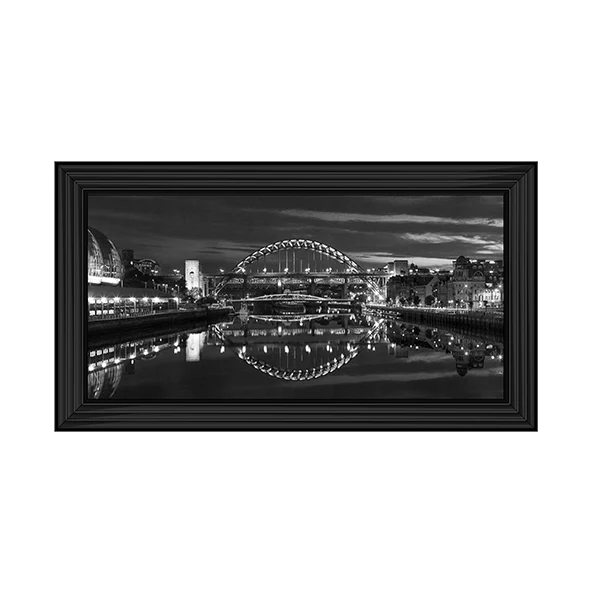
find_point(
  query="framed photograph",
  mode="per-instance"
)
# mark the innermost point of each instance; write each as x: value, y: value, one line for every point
x: 296, y: 296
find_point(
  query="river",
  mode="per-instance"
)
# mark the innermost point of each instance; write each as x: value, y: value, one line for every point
x: 314, y: 358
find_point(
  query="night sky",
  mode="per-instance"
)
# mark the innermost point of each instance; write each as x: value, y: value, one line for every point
x: 220, y: 230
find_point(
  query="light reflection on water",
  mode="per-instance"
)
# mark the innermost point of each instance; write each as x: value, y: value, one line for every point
x: 253, y: 358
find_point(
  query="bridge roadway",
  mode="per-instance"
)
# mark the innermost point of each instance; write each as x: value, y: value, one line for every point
x: 291, y: 297
x: 300, y: 275
x: 311, y: 279
x: 302, y: 298
x: 293, y: 336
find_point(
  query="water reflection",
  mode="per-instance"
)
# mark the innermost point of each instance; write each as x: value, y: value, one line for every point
x: 104, y: 382
x: 291, y: 350
x: 307, y: 350
x: 194, y: 346
x: 469, y: 352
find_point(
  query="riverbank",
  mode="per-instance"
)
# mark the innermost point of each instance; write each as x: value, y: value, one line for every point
x: 104, y: 331
x: 472, y: 321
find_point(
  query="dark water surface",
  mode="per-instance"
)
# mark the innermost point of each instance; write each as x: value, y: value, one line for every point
x: 348, y: 356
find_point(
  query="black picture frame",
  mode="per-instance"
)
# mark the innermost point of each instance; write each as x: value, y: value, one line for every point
x: 517, y: 181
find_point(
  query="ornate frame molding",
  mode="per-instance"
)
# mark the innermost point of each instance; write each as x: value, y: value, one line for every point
x: 516, y: 180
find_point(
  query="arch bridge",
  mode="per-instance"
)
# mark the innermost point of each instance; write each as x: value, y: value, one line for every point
x: 312, y: 261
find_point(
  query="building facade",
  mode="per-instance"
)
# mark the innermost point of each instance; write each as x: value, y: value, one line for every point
x: 398, y: 267
x: 476, y: 284
x: 149, y: 267
x: 491, y: 297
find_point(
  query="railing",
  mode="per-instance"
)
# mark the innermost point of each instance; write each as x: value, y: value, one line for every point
x: 120, y: 307
x: 444, y: 310
x: 109, y: 314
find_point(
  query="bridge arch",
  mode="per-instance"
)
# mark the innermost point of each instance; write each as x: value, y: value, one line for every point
x: 301, y: 243
x: 300, y: 374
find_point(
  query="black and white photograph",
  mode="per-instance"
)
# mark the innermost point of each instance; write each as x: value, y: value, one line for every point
x: 302, y: 296
x: 297, y: 299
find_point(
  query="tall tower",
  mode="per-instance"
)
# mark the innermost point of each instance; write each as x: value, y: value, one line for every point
x: 128, y: 256
x: 193, y: 274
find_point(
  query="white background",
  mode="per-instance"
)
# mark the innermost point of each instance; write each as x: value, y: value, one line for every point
x: 299, y: 514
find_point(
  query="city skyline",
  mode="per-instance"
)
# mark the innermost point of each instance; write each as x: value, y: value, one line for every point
x: 220, y: 230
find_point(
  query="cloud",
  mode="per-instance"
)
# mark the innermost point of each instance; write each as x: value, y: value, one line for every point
x: 430, y: 237
x: 494, y: 249
x: 433, y: 262
x: 330, y: 216
x: 220, y: 230
x: 376, y: 259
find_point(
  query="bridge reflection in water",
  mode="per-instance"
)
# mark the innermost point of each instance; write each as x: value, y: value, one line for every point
x: 291, y: 349
x: 299, y: 350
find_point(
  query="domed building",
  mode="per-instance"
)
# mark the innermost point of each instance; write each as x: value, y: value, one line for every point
x: 104, y: 265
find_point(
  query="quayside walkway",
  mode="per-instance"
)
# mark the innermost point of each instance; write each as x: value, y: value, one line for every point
x: 484, y: 322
